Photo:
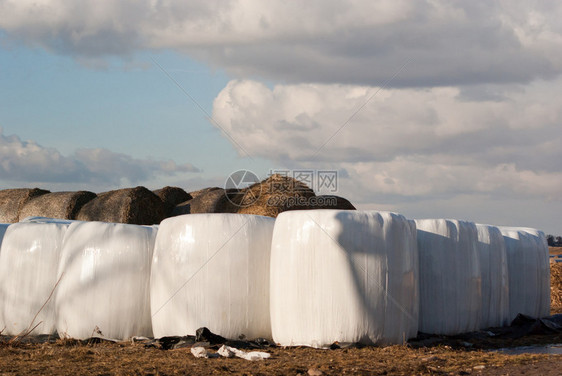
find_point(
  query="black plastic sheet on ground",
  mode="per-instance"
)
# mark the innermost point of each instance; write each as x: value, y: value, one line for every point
x: 205, y: 338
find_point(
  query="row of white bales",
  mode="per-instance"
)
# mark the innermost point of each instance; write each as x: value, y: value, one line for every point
x: 305, y: 278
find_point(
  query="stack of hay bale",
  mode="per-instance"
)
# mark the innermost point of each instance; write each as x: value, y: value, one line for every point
x: 140, y: 206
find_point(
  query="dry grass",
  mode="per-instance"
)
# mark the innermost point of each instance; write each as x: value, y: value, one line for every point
x: 556, y: 288
x: 72, y: 357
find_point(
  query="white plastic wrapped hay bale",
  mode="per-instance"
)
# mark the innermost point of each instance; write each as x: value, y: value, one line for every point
x: 104, y: 281
x: 529, y: 271
x: 495, y: 282
x: 450, y: 278
x: 29, y: 258
x: 342, y: 275
x: 212, y: 270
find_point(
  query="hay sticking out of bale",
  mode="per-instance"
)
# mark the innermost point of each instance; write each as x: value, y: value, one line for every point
x: 172, y: 196
x: 272, y: 196
x: 556, y: 287
x: 130, y: 205
x: 13, y: 200
x: 61, y: 205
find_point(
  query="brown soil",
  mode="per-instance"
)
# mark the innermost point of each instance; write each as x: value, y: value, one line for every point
x: 62, y: 357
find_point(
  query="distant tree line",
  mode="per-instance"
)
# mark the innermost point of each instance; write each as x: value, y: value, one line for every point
x: 554, y: 241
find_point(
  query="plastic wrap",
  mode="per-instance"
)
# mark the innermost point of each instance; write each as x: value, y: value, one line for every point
x: 450, y: 278
x: 104, y: 281
x: 28, y: 274
x: 495, y: 282
x: 3, y: 228
x: 34, y: 219
x: 212, y: 270
x: 342, y: 275
x: 529, y: 271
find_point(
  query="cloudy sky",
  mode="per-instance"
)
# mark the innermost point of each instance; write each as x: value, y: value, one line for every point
x: 432, y: 109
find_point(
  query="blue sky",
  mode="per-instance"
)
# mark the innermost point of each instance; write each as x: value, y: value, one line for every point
x: 127, y: 105
x: 431, y: 109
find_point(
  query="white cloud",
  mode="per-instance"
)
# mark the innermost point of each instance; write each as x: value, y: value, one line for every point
x: 405, y: 143
x: 353, y: 42
x: 26, y: 161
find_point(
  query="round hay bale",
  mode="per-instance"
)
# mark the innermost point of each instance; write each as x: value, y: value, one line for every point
x: 203, y: 191
x: 13, y: 200
x: 213, y: 200
x: 172, y: 196
x: 325, y: 202
x: 62, y: 205
x: 130, y: 205
x: 273, y: 195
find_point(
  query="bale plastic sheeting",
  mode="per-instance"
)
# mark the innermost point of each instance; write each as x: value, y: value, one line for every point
x: 104, y: 288
x: 3, y: 228
x: 212, y: 270
x: 343, y: 275
x: 28, y: 274
x: 47, y: 220
x: 495, y: 282
x: 450, y: 277
x: 529, y: 271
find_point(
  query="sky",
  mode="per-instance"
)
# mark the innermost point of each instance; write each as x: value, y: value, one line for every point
x: 433, y: 109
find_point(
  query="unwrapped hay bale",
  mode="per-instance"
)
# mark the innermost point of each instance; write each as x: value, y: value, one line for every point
x: 130, y: 205
x: 556, y: 287
x: 13, y: 200
x: 206, y: 200
x: 203, y: 191
x: 63, y: 205
x: 210, y: 200
x: 272, y: 196
x: 181, y: 209
x: 172, y: 196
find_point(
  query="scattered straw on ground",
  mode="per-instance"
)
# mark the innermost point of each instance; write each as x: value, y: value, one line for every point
x: 65, y: 357
x: 556, y: 288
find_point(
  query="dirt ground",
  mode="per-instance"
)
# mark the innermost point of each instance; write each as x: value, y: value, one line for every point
x: 63, y: 357
x: 127, y: 359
